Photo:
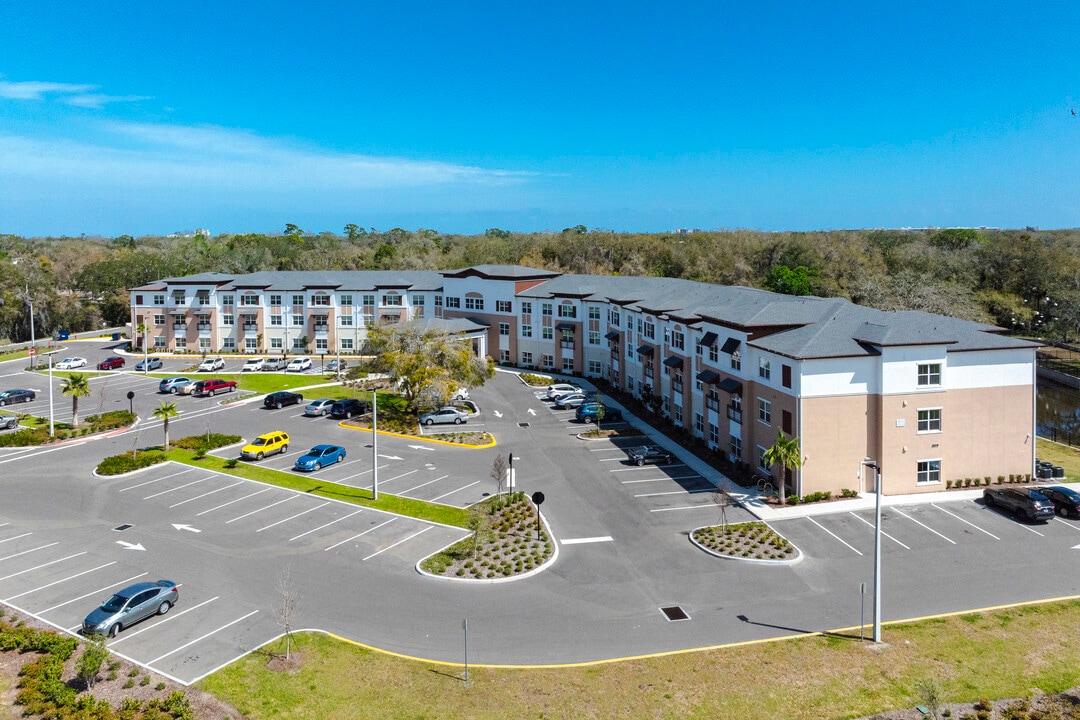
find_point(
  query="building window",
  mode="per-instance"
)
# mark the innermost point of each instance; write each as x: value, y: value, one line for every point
x: 418, y: 300
x: 764, y: 369
x: 228, y: 344
x: 613, y: 318
x: 548, y: 333
x: 678, y: 415
x: 276, y: 320
x: 226, y: 300
x: 159, y: 319
x: 764, y: 411
x: 276, y: 344
x: 786, y: 421
x: 545, y: 309
x: 298, y: 320
x: 345, y: 300
x: 504, y: 306
x: 159, y: 341
x: 594, y: 312
x: 504, y: 356
x: 228, y: 319
x: 714, y: 356
x: 761, y: 458
x: 275, y: 300
x: 474, y: 303
x: 504, y: 328
x: 526, y: 308
x: 549, y: 362
x: 568, y: 364
x: 526, y: 331
x: 250, y: 300
x: 785, y: 375
x: 251, y: 344
x: 714, y: 435
x: 179, y: 298
x: 453, y: 302
x: 650, y: 330
x: 369, y: 300
x: 297, y: 299
x: 567, y: 337
x: 526, y: 358
x: 567, y: 311
x: 699, y: 423
x: 930, y: 374
x: 321, y: 346
x: 298, y: 346
x: 346, y: 344
x: 929, y: 471
x: 392, y: 299
x: 677, y: 340
x: 735, y: 446
x: 594, y: 337
x: 712, y: 399
x: 321, y: 300
x: 595, y: 368
x: 345, y: 320
x: 159, y: 299
x: 930, y: 420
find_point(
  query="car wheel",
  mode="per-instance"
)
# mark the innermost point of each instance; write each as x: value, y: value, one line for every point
x: 318, y: 466
x: 114, y: 629
x: 211, y: 393
x: 1063, y: 511
x: 640, y: 462
x: 348, y: 414
x: 172, y: 390
x: 232, y: 388
x: 3, y: 403
x: 277, y: 406
x: 429, y: 422
x: 588, y: 419
x: 164, y: 607
x: 340, y: 458
x: 259, y: 456
x: 284, y: 449
x: 989, y: 501
x: 457, y: 421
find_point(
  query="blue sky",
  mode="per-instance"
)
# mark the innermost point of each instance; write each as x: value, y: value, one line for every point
x: 149, y: 117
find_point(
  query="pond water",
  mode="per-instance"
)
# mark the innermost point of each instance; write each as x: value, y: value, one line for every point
x: 1057, y: 412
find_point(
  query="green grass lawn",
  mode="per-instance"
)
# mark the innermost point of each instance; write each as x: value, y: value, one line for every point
x: 999, y: 654
x: 1063, y: 455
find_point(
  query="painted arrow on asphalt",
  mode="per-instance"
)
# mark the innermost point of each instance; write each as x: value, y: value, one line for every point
x: 531, y: 411
x: 390, y: 457
x: 496, y: 413
x: 130, y: 546
x: 186, y: 527
x: 421, y: 447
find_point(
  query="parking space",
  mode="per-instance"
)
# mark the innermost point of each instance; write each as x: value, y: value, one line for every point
x: 922, y: 529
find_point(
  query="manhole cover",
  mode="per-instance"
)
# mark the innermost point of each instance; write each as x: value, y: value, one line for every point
x: 122, y: 528
x: 523, y: 424
x: 674, y: 612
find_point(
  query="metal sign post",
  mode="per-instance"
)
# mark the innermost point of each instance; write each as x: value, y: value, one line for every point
x: 465, y: 628
x: 538, y: 500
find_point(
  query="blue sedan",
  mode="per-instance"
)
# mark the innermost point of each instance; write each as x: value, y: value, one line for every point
x: 319, y: 457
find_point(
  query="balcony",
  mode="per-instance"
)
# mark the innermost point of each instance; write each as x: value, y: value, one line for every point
x: 251, y: 327
x: 567, y: 344
x: 712, y: 403
x: 734, y: 414
x: 180, y: 326
x: 204, y: 329
x: 676, y: 386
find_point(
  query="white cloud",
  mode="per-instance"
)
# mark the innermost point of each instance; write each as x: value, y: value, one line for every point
x: 98, y: 100
x: 34, y: 90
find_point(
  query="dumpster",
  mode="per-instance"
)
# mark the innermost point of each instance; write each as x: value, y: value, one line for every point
x: 116, y: 336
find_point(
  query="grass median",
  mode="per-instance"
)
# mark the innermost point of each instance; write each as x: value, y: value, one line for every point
x: 1000, y: 654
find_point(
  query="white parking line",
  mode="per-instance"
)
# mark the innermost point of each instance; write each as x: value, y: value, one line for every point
x: 1015, y: 522
x: 398, y: 477
x: 965, y: 521
x: 645, y: 467
x: 38, y: 567
x: 454, y: 491
x: 151, y: 482
x: 178, y: 487
x: 305, y: 512
x: 16, y: 537
x: 8, y: 557
x: 660, y: 479
x: 57, y: 582
x: 203, y: 637
x: 257, y: 492
x: 901, y: 512
x: 885, y: 534
x: 129, y: 635
x: 677, y: 492
x: 687, y: 507
x: 326, y: 525
x: 608, y: 449
x: 264, y: 507
x: 378, y: 552
x: 199, y: 497
x: 582, y: 541
x: 360, y: 534
x: 851, y: 547
x: 1074, y: 527
x: 93, y: 592
x: 402, y: 493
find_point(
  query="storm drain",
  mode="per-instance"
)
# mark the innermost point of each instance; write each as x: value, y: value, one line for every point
x: 674, y: 612
x: 122, y: 528
x: 523, y: 424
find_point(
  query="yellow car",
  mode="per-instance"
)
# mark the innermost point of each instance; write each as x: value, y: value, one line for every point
x: 268, y: 444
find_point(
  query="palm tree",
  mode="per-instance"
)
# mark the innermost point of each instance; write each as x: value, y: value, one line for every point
x: 163, y: 412
x: 76, y: 385
x: 786, y: 453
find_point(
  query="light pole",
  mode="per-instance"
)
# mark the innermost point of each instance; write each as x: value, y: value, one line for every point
x: 374, y: 445
x: 877, y: 546
x: 52, y: 432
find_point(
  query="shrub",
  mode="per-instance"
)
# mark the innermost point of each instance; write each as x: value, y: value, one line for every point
x: 967, y: 482
x: 206, y: 442
x: 1000, y: 479
x: 110, y: 420
x: 128, y: 462
x: 24, y: 437
x: 948, y: 484
x: 93, y: 657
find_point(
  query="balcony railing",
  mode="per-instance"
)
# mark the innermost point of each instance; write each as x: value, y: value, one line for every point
x: 569, y: 344
x: 712, y: 404
x: 249, y: 327
x: 734, y: 414
x: 179, y: 326
x: 676, y: 386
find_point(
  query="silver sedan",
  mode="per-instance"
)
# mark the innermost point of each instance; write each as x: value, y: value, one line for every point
x: 445, y: 415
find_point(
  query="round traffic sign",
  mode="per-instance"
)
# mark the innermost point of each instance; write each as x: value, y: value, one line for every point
x: 538, y: 497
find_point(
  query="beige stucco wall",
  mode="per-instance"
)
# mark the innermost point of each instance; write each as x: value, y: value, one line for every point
x: 837, y: 433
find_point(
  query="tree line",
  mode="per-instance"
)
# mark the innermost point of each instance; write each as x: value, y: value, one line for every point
x: 1027, y: 281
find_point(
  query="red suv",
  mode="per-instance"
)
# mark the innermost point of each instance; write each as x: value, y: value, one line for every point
x: 212, y: 387
x: 111, y: 363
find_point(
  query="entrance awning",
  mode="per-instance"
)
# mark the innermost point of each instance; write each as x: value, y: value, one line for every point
x: 564, y: 326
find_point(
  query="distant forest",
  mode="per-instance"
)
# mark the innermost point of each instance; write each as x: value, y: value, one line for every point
x: 1026, y: 281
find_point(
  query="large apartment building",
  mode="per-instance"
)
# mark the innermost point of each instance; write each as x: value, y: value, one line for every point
x: 928, y: 397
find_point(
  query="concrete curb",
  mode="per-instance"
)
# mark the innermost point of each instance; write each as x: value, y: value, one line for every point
x: 753, y: 561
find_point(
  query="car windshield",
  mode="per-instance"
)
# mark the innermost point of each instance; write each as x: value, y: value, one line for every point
x: 114, y: 604
x: 261, y: 441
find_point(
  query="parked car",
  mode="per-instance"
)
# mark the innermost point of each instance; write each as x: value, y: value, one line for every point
x: 335, y: 365
x: 10, y: 397
x: 319, y: 457
x: 130, y: 605
x: 70, y: 363
x: 174, y: 385
x: 212, y: 364
x: 317, y: 408
x: 253, y: 365
x: 462, y: 393
x: 9, y: 422
x: 1066, y: 500
x: 1021, y: 502
x: 570, y: 400
x: 300, y: 364
x: 281, y: 398
x: 273, y: 363
x: 650, y: 454
x: 149, y: 364
x: 111, y: 363
x: 557, y: 389
x: 588, y: 412
x: 445, y: 415
x: 266, y: 444
x: 348, y: 407
x: 212, y: 387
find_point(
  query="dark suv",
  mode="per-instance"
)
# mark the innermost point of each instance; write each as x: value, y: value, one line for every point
x: 349, y: 407
x: 1021, y: 502
x: 281, y: 398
